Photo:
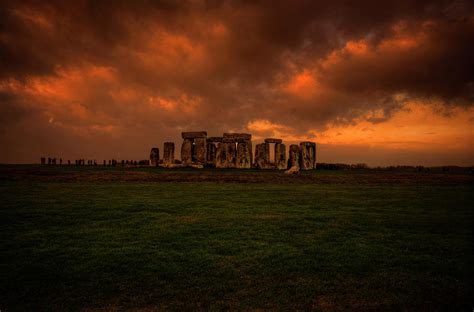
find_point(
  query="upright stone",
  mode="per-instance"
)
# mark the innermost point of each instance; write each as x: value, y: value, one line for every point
x: 211, y: 154
x: 280, y: 156
x: 244, y: 155
x: 187, y: 151
x: 200, y: 150
x: 168, y: 153
x: 294, y: 156
x: 225, y: 155
x: 154, y: 156
x: 231, y: 155
x: 307, y: 155
x: 262, y: 156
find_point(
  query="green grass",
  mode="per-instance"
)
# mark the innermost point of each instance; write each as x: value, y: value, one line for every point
x: 84, y: 244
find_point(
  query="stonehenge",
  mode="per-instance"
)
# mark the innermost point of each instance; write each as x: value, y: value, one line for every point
x: 231, y: 150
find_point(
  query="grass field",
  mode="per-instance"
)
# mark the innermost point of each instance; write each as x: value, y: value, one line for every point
x: 113, y: 238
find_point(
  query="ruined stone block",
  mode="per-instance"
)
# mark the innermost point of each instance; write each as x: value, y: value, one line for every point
x: 294, y: 156
x: 199, y: 150
x: 168, y: 153
x: 187, y: 151
x: 262, y: 156
x: 154, y: 156
x: 280, y: 156
x: 225, y: 155
x: 244, y: 155
x: 194, y: 134
x: 211, y: 154
x: 307, y: 155
x: 272, y: 140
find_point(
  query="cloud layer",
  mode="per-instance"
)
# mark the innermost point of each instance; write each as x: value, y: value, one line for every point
x: 106, y: 79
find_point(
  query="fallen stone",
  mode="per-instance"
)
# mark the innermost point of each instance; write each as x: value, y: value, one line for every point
x: 293, y: 170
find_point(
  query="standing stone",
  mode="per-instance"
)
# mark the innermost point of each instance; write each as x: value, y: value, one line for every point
x: 294, y: 156
x: 225, y: 155
x: 280, y: 156
x: 244, y: 155
x: 200, y: 150
x: 154, y: 156
x: 262, y: 156
x: 211, y: 154
x: 308, y: 155
x: 231, y: 155
x: 187, y: 151
x: 43, y: 160
x: 168, y: 153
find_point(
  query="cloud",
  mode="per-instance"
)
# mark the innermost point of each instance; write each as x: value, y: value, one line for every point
x: 140, y: 73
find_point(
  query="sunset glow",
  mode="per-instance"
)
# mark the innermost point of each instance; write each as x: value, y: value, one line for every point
x: 89, y: 80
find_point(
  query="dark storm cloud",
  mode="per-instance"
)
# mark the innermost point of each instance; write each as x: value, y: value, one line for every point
x: 143, y: 66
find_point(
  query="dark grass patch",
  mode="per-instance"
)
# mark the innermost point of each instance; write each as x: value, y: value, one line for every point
x: 150, y: 245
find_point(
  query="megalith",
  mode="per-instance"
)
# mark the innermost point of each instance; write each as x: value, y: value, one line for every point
x: 294, y: 156
x: 199, y: 150
x: 244, y: 155
x: 154, y: 156
x: 262, y: 156
x: 280, y: 156
x: 168, y: 153
x: 187, y: 151
x: 225, y: 155
x: 307, y: 155
x: 211, y: 154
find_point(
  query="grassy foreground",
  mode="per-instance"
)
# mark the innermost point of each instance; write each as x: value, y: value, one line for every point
x: 120, y: 243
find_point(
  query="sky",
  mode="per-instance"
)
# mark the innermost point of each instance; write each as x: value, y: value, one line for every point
x: 376, y: 82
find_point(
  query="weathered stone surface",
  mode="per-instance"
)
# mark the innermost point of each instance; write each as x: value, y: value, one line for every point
x: 214, y: 139
x: 262, y: 156
x: 229, y: 140
x: 199, y: 150
x: 272, y: 140
x: 293, y: 170
x: 244, y: 155
x: 307, y: 155
x: 168, y: 153
x: 238, y: 136
x: 211, y: 154
x: 294, y: 156
x: 280, y: 156
x: 225, y: 155
x: 187, y: 151
x: 194, y: 134
x: 154, y: 156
